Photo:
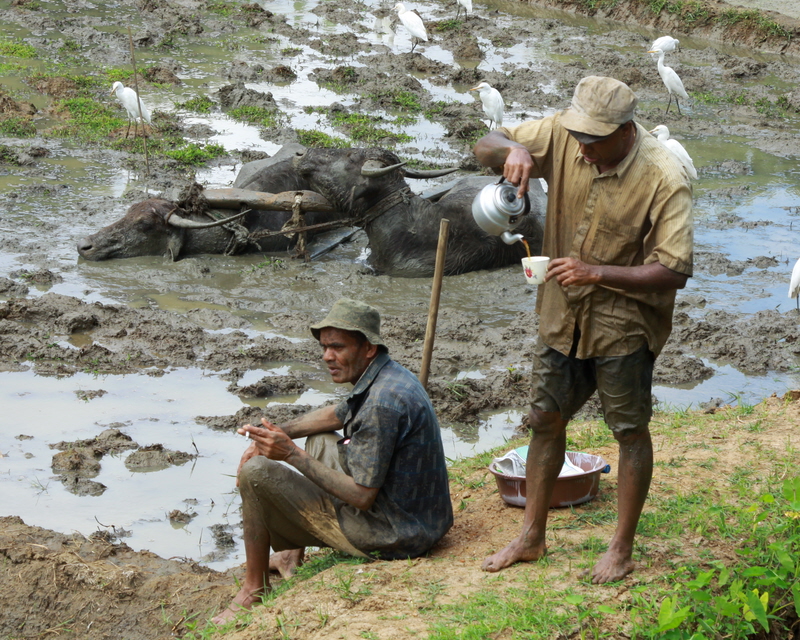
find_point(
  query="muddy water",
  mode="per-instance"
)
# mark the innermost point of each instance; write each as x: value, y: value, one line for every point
x: 743, y: 212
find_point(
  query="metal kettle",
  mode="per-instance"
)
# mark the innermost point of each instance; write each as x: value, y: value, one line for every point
x: 497, y: 210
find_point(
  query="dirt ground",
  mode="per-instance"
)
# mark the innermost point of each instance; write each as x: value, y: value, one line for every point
x: 53, y: 585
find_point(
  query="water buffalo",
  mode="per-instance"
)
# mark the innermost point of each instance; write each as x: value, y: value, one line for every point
x: 403, y: 228
x: 158, y: 227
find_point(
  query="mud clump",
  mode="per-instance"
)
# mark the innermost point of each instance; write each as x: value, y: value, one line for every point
x: 155, y: 457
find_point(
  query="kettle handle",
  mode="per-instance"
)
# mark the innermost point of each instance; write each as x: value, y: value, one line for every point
x: 527, y: 198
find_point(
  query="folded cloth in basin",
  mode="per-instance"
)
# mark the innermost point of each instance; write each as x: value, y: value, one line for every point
x: 513, y: 464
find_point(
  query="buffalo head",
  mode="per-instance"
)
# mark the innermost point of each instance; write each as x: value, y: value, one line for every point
x: 151, y: 228
x: 352, y: 178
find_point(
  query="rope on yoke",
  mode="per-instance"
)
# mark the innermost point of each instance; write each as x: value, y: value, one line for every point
x: 241, y: 238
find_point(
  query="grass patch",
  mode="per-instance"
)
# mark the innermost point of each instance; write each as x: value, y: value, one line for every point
x: 194, y: 154
x: 17, y: 127
x: 256, y: 115
x: 447, y: 25
x: 364, y: 128
x: 198, y: 104
x: 87, y: 120
x: 694, y: 12
x: 16, y: 49
x: 314, y: 138
x: 398, y: 100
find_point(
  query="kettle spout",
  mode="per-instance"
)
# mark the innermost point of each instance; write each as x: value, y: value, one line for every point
x: 511, y: 238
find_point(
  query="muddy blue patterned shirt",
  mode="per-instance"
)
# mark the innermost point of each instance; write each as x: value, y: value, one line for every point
x: 392, y: 441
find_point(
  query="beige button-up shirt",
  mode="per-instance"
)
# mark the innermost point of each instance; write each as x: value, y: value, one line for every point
x: 636, y: 213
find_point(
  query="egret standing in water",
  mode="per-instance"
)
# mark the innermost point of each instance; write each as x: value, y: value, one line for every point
x: 676, y: 148
x: 794, y: 284
x: 665, y: 44
x: 467, y: 4
x: 671, y: 80
x: 493, y: 105
x: 413, y: 23
x: 133, y: 105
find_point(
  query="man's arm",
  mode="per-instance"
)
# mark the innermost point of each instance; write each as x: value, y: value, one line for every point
x: 317, y: 421
x: 495, y: 150
x: 646, y: 278
x: 273, y: 442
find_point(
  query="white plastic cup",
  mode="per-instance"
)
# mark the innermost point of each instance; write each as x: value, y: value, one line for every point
x: 535, y: 268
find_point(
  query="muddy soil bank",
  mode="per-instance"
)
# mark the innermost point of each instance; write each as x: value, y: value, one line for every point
x: 763, y: 25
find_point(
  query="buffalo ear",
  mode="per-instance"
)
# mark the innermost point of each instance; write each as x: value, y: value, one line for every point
x: 174, y: 246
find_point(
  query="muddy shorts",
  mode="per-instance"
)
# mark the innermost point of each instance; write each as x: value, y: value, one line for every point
x: 296, y: 512
x: 623, y: 383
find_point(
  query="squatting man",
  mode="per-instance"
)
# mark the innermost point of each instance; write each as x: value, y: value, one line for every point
x: 618, y: 230
x: 377, y: 489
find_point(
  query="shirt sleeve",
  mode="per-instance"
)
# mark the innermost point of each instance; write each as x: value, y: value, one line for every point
x: 671, y: 237
x: 537, y: 137
x: 372, y: 444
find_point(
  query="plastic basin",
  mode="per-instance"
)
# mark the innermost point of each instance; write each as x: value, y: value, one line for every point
x: 568, y: 491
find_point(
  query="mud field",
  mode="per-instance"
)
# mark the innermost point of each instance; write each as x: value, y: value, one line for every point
x: 62, y: 318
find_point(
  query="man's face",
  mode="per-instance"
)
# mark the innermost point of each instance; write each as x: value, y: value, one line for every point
x: 609, y: 151
x: 346, y: 353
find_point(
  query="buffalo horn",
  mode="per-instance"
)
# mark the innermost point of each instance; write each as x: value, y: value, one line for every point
x: 428, y: 173
x: 374, y: 169
x: 185, y: 223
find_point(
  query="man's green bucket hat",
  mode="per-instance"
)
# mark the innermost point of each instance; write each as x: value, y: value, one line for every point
x: 352, y: 315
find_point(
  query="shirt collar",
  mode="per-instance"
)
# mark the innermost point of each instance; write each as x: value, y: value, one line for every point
x: 371, y: 372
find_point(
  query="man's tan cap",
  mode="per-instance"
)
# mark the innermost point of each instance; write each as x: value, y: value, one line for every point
x: 599, y: 106
x: 352, y: 315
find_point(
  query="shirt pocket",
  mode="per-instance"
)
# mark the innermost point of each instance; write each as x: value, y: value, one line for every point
x: 617, y: 243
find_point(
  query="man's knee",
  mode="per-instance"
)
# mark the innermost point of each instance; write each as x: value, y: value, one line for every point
x: 545, y: 422
x: 258, y: 470
x: 629, y: 434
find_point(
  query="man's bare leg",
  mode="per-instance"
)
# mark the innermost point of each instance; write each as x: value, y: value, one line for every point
x: 257, y: 558
x: 545, y: 459
x: 633, y: 484
x: 286, y: 562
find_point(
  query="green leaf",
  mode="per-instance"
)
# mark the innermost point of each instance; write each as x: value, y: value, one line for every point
x: 796, y: 594
x: 668, y: 618
x: 574, y: 598
x: 758, y: 607
x: 725, y: 607
x: 791, y: 491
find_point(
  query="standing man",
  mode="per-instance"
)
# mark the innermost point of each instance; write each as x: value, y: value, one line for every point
x: 380, y: 490
x: 619, y: 234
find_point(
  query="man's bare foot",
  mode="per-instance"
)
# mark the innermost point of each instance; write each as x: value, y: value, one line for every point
x: 243, y: 601
x: 611, y: 567
x: 514, y: 551
x: 286, y: 562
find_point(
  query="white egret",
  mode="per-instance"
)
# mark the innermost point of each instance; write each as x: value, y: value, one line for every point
x: 671, y: 80
x: 493, y: 105
x: 133, y: 105
x: 794, y: 284
x: 467, y: 4
x: 413, y: 23
x: 665, y: 44
x: 661, y: 132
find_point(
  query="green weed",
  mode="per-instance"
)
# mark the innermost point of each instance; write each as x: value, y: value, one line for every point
x: 17, y: 127
x: 314, y: 138
x: 198, y: 104
x: 196, y: 154
x: 256, y: 115
x: 16, y: 49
